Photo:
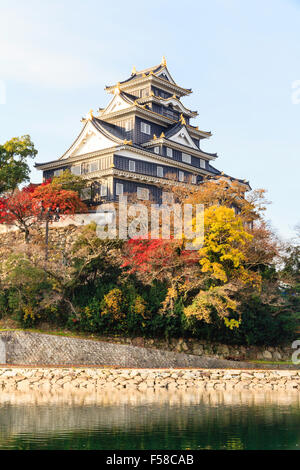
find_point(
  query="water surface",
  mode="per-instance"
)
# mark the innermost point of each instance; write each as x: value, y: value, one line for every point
x: 155, y: 420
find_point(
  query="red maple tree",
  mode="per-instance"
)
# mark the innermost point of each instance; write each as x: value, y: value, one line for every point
x: 27, y: 207
x: 157, y: 258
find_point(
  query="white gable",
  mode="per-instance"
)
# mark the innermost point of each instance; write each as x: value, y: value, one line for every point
x: 116, y: 104
x: 90, y: 140
x: 183, y: 137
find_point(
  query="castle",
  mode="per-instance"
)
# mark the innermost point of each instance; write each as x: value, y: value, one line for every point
x: 142, y: 143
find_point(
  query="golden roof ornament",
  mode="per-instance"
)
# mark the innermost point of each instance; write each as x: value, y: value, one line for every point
x: 182, y: 120
x: 133, y: 72
x: 89, y: 116
x: 163, y: 61
x: 154, y: 137
x: 162, y: 135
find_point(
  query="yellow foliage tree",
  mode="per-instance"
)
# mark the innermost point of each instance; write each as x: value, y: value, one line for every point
x: 222, y: 254
x: 113, y: 304
x: 223, y: 263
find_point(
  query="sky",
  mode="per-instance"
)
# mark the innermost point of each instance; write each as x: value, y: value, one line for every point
x: 241, y: 59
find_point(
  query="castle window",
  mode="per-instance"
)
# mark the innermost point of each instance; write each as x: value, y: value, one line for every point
x: 145, y: 128
x: 94, y: 166
x: 85, y: 168
x: 119, y: 189
x: 181, y: 176
x: 76, y: 170
x: 202, y: 163
x: 58, y: 172
x: 103, y: 190
x: 144, y: 92
x: 194, y: 179
x: 131, y: 165
x: 169, y: 152
x: 186, y: 158
x: 128, y: 125
x: 156, y: 149
x: 143, y: 193
x: 160, y: 171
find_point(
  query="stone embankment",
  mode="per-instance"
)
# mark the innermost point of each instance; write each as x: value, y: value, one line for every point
x: 27, y: 348
x: 91, y: 379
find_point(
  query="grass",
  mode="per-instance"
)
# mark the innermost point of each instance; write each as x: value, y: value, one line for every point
x: 271, y: 362
x: 66, y: 333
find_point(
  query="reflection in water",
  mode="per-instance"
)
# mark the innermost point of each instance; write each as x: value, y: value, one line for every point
x: 151, y: 419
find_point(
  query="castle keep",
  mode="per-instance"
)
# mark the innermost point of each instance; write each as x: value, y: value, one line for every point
x: 142, y: 143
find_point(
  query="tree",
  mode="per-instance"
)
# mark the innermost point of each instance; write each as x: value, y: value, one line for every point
x: 53, y: 196
x: 223, y: 267
x: 70, y: 182
x: 20, y: 210
x: 162, y: 260
x: 222, y: 255
x: 14, y: 168
x: 28, y: 207
x: 222, y: 192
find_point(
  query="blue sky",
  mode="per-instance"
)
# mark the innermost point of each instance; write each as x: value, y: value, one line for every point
x: 240, y: 58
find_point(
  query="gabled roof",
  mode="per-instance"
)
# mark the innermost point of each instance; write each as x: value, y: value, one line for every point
x: 95, y: 133
x: 173, y: 100
x: 221, y: 174
x: 121, y: 100
x: 178, y: 137
x: 110, y: 130
x: 142, y: 73
x: 160, y: 72
x: 179, y: 133
x: 173, y: 130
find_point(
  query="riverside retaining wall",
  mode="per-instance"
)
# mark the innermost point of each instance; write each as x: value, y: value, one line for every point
x: 24, y: 347
x: 93, y: 379
x: 27, y: 348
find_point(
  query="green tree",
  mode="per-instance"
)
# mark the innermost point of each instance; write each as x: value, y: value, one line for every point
x: 14, y: 167
x: 70, y: 182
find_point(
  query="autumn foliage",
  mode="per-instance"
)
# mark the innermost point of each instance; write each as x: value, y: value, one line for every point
x: 25, y: 208
x: 152, y: 287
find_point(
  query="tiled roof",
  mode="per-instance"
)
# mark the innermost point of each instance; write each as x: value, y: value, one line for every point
x: 129, y: 96
x: 107, y: 127
x: 140, y: 73
x: 173, y: 129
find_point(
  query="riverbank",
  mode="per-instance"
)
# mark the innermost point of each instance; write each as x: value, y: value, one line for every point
x: 91, y: 379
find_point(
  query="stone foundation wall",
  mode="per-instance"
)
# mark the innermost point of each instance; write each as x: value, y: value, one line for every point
x: 93, y: 379
x: 27, y: 348
x: 217, y: 350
